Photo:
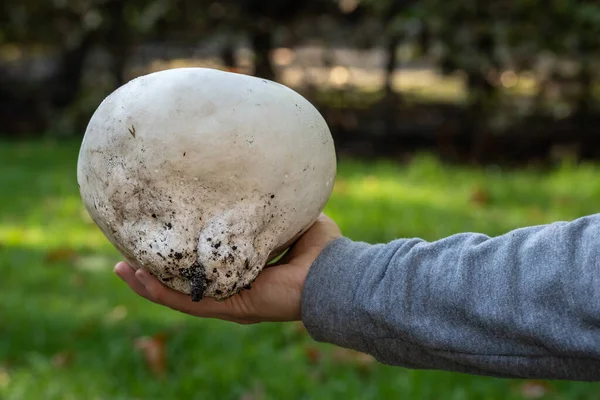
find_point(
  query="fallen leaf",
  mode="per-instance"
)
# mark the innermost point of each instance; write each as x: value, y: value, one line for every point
x: 154, y: 351
x: 62, y: 359
x: 534, y: 389
x: 60, y: 255
x: 480, y: 197
x: 313, y: 354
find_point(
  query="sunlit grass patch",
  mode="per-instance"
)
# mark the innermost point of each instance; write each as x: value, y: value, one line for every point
x: 69, y: 329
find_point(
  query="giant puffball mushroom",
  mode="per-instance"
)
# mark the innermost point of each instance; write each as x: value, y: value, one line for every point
x: 204, y: 176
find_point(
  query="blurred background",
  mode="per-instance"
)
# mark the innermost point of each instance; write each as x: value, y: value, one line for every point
x: 448, y: 116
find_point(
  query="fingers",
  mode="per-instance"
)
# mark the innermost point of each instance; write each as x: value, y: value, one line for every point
x: 274, y: 296
x: 146, y: 285
x: 127, y: 274
x: 164, y: 295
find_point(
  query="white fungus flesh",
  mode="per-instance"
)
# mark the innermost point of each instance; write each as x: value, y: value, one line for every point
x: 203, y: 176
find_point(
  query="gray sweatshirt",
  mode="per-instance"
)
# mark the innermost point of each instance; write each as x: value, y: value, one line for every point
x: 522, y: 305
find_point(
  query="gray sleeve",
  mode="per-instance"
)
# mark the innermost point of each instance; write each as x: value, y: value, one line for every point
x: 522, y: 305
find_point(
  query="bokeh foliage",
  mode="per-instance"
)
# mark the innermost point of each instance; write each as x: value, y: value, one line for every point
x: 529, y: 67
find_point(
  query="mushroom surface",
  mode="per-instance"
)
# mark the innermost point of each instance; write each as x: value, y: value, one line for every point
x: 204, y: 176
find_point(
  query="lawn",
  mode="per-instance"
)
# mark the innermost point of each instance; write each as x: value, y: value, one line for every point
x: 69, y: 329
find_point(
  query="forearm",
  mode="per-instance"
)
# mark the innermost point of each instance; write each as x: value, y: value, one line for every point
x: 525, y: 304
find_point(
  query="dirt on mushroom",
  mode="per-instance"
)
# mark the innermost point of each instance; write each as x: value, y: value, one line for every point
x: 199, y: 194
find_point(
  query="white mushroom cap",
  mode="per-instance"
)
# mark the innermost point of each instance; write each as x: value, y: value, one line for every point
x: 202, y: 176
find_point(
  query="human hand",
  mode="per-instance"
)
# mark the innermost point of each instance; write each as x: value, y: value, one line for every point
x: 275, y: 294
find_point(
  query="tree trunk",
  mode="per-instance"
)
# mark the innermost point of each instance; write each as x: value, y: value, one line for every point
x: 65, y: 86
x: 390, y: 66
x: 481, y: 98
x: 482, y: 94
x: 262, y: 44
x: 228, y: 57
x: 118, y: 39
x: 586, y: 94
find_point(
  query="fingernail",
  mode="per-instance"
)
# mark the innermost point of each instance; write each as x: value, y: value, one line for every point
x: 116, y: 268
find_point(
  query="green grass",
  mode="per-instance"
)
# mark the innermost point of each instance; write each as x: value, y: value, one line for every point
x: 68, y: 325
